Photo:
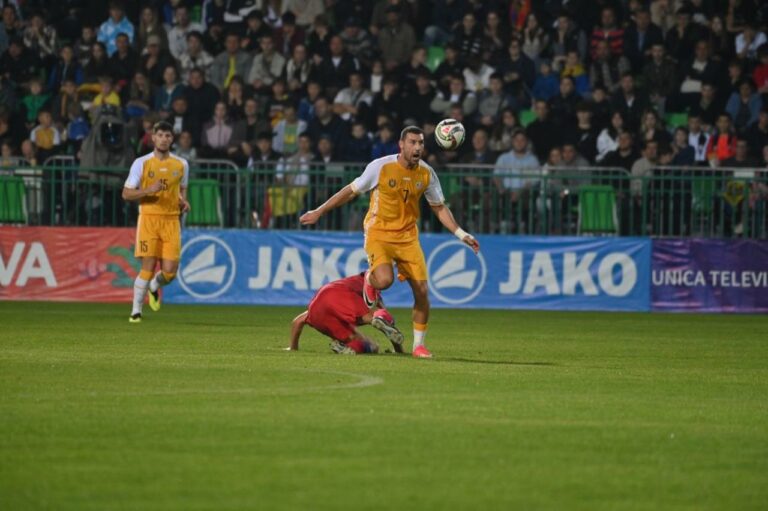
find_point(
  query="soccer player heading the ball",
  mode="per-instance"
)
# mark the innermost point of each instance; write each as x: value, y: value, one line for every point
x: 396, y: 183
x: 158, y: 181
x: 337, y: 309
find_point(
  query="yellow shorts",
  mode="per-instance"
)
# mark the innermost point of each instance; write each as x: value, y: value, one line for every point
x: 158, y: 236
x: 408, y: 255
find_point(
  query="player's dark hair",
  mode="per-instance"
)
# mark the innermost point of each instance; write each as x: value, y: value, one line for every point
x: 162, y: 126
x: 410, y: 129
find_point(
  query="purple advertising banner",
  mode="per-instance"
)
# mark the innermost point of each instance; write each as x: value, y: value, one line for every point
x: 709, y: 275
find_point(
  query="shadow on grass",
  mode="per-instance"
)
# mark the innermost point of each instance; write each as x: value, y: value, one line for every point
x: 217, y: 325
x: 492, y: 362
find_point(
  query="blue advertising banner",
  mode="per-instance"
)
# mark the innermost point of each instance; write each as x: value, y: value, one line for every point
x: 511, y: 272
x: 710, y: 275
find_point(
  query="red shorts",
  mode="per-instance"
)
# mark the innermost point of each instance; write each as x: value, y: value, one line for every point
x: 337, y: 307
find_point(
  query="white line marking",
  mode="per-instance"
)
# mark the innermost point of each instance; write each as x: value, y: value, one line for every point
x: 363, y: 381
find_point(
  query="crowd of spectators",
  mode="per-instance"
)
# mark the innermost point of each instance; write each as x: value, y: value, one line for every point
x: 297, y: 80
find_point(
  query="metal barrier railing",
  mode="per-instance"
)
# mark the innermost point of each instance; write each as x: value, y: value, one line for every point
x: 667, y: 201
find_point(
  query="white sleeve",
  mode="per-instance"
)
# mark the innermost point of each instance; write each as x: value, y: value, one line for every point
x: 740, y: 43
x: 434, y: 192
x: 369, y: 179
x: 185, y: 176
x: 56, y: 137
x: 134, y: 176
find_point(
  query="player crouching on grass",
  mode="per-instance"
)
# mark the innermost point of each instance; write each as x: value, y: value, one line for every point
x: 158, y: 181
x: 336, y: 310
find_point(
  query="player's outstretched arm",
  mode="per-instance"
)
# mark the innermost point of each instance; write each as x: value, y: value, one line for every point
x: 132, y: 194
x: 443, y: 213
x: 296, y: 327
x: 340, y: 198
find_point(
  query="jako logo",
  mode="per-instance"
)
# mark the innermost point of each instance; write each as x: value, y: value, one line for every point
x: 457, y: 275
x: 208, y: 267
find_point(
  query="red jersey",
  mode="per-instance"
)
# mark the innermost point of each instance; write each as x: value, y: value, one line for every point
x: 337, y: 307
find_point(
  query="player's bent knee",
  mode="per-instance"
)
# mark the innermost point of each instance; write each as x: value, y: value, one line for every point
x: 169, y: 276
x: 383, y: 277
x: 385, y: 281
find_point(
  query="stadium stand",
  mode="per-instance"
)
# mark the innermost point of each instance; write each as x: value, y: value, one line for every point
x: 687, y: 153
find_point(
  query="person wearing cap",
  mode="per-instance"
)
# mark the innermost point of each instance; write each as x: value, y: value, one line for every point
x: 357, y: 40
x: 154, y: 62
x: 118, y: 23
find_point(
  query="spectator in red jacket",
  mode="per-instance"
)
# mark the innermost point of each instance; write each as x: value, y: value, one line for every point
x: 722, y: 143
x: 608, y: 30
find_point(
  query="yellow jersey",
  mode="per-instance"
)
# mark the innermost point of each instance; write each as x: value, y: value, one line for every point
x: 395, y: 194
x: 172, y: 172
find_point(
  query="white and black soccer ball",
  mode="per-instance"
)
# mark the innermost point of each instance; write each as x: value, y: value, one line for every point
x: 449, y: 134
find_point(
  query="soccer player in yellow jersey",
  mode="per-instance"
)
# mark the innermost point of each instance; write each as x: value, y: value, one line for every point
x: 396, y: 184
x: 158, y: 181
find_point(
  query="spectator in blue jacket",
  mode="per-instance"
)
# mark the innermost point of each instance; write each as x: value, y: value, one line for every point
x: 384, y: 145
x: 547, y: 83
x: 744, y: 106
x: 118, y: 23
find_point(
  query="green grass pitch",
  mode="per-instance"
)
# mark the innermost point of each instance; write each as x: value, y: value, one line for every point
x: 198, y: 408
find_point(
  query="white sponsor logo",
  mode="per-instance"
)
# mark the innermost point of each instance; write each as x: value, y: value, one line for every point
x: 211, y: 270
x: 714, y: 278
x: 324, y: 268
x: 34, y: 265
x: 460, y: 274
x: 616, y: 274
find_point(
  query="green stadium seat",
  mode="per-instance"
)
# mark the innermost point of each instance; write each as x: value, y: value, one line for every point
x: 597, y: 210
x: 204, y: 198
x: 13, y: 206
x: 676, y: 119
x: 703, y: 191
x: 435, y: 57
x: 527, y: 117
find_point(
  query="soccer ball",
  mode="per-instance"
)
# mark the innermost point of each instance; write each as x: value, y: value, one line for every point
x: 449, y: 134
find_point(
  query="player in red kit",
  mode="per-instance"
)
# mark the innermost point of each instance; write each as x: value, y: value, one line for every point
x: 337, y: 309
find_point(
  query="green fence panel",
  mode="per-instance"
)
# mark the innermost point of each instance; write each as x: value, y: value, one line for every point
x: 204, y: 198
x: 12, y: 200
x: 597, y: 210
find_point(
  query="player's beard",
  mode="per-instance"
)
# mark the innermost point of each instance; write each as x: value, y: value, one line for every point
x: 413, y: 158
